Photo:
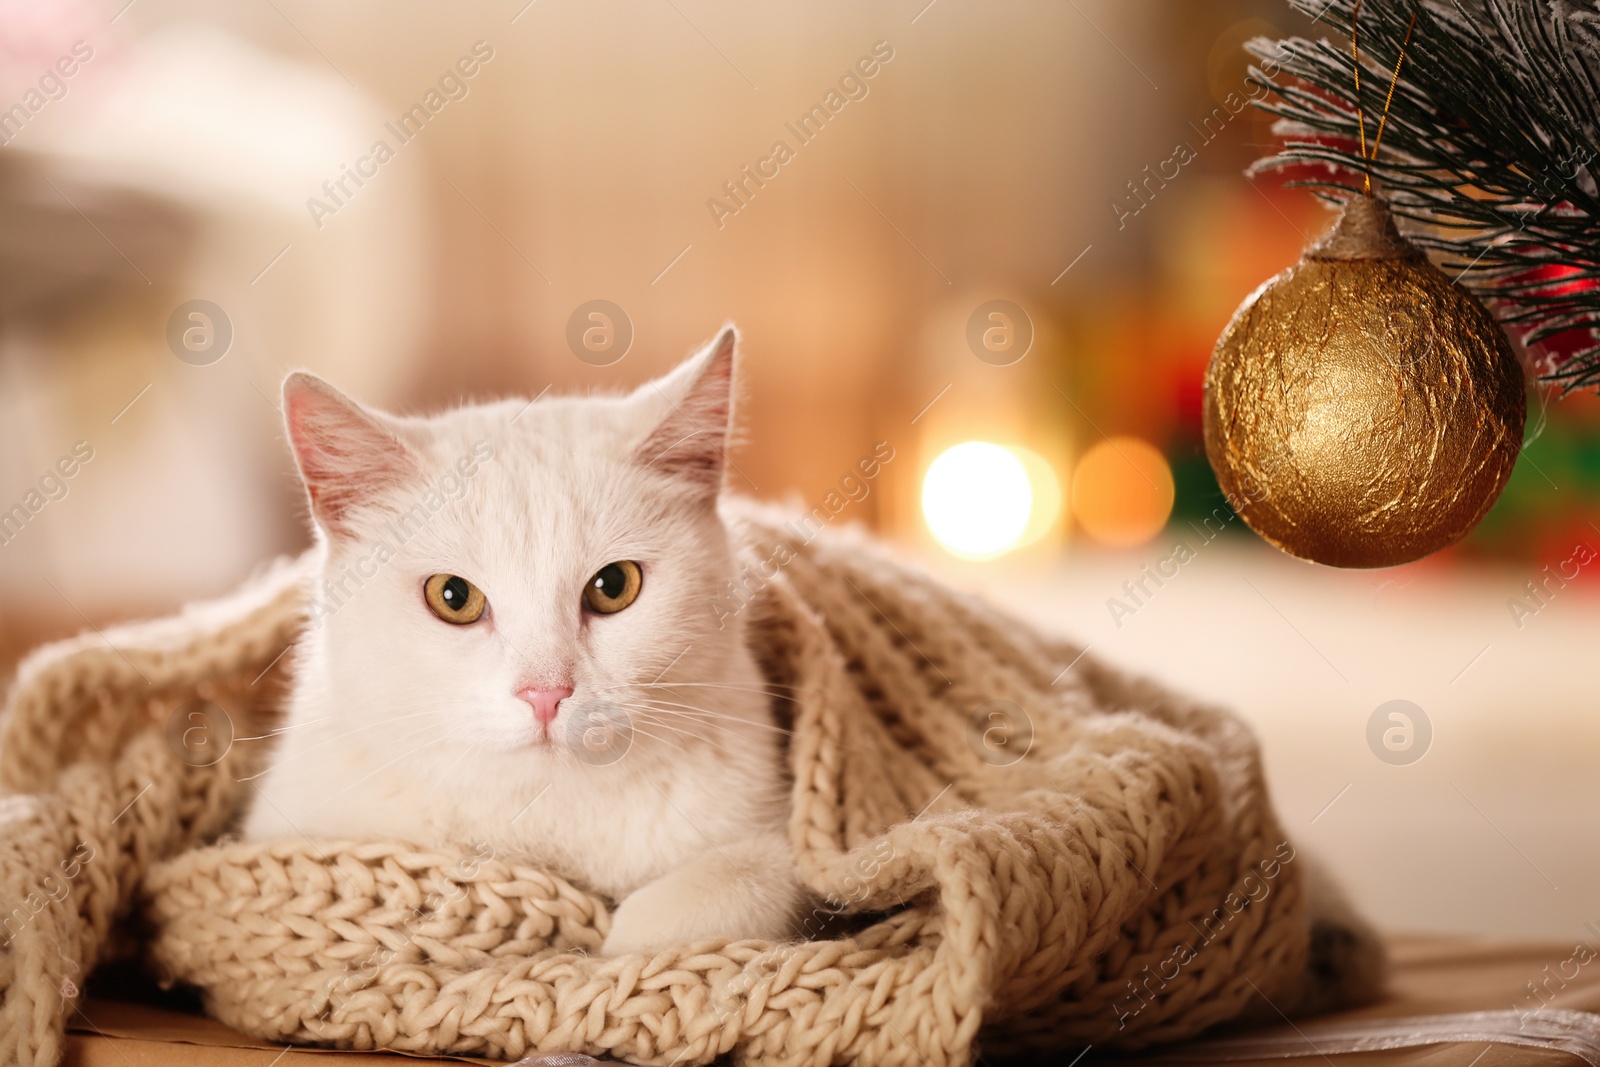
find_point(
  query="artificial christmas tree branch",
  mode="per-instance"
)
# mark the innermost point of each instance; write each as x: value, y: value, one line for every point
x: 1490, y: 144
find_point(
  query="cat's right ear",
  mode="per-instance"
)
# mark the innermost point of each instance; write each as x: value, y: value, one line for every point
x: 347, y: 458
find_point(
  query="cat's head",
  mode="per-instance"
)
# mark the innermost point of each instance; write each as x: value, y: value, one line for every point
x: 524, y: 577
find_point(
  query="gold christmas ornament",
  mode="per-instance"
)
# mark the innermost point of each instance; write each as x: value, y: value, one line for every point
x: 1362, y: 410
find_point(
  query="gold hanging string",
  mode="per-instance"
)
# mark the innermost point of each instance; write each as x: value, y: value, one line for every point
x: 1355, y: 56
x: 1394, y: 80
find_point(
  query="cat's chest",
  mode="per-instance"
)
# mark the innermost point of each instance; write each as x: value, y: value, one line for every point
x: 603, y: 828
x: 612, y: 836
x: 609, y: 828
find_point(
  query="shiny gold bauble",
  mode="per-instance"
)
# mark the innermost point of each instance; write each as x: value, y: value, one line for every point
x: 1361, y: 409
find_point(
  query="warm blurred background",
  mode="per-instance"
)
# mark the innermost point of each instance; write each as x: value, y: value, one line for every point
x: 977, y: 260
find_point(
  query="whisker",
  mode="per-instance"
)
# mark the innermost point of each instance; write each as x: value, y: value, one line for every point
x: 285, y: 729
x: 404, y: 755
x: 433, y: 702
x: 663, y: 714
x: 674, y: 722
x: 680, y: 746
x: 336, y: 737
x: 666, y: 706
x: 439, y: 778
x: 774, y: 689
x: 759, y: 690
x: 636, y: 715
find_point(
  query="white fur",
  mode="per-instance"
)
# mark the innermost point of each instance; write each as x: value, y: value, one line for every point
x: 402, y: 726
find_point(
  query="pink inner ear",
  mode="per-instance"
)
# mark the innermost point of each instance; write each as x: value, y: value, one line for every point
x: 691, y: 441
x: 346, y: 457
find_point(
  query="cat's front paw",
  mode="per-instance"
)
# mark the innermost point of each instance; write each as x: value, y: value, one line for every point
x: 708, y: 898
x: 643, y: 923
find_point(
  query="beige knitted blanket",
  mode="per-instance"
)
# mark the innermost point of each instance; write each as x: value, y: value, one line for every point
x: 1012, y: 847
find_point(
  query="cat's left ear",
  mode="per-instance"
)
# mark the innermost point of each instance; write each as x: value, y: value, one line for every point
x: 691, y: 440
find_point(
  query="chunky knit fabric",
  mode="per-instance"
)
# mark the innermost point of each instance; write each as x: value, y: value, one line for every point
x: 1012, y: 847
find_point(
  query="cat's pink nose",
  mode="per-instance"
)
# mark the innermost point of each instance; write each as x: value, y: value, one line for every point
x: 544, y: 702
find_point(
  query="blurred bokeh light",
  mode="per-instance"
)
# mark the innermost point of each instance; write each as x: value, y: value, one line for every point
x: 977, y: 499
x: 1122, y: 491
x: 1005, y: 163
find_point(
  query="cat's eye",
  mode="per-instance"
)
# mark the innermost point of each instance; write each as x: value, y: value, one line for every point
x: 614, y: 587
x: 454, y: 599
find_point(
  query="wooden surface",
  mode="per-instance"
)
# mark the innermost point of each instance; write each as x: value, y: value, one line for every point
x: 1432, y: 975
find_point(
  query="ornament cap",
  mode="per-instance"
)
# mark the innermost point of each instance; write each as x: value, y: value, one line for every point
x: 1365, y: 230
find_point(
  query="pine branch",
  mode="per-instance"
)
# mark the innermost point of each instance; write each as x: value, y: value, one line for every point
x: 1491, y: 146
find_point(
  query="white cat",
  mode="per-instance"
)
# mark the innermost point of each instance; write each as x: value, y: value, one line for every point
x: 512, y: 647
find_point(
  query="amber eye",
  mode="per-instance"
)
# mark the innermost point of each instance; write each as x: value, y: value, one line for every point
x: 614, y: 587
x: 454, y: 599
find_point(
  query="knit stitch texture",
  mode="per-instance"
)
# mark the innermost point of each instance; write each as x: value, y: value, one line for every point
x: 1012, y: 846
